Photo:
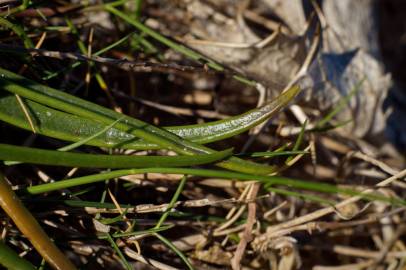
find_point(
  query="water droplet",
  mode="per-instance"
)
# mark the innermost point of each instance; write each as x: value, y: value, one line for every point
x: 109, y: 133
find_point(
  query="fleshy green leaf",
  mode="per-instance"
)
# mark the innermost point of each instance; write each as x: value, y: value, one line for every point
x: 166, y: 140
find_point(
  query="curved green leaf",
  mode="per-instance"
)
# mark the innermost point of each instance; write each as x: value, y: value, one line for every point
x: 165, y: 139
x: 69, y: 127
x: 61, y: 125
x: 58, y: 158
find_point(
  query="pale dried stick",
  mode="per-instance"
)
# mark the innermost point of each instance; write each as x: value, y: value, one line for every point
x: 247, y: 235
x: 325, y: 211
x: 156, y: 264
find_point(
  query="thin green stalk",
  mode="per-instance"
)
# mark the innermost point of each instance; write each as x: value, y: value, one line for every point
x: 118, y: 251
x: 24, y: 5
x: 173, y: 45
x: 18, y: 30
x: 172, y: 202
x: 301, y: 195
x: 267, y: 180
x: 298, y: 141
x: 144, y: 232
x: 138, y: 5
x: 175, y: 249
x: 340, y: 105
x: 86, y: 140
x: 58, y: 158
x: 273, y: 153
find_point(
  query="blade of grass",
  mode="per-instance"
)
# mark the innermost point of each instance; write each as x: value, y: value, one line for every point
x: 267, y: 180
x: 58, y: 158
x: 173, y: 201
x: 24, y: 5
x: 118, y: 251
x: 86, y: 140
x: 144, y: 232
x: 272, y: 153
x: 76, y: 203
x: 18, y: 30
x: 298, y: 141
x: 173, y: 45
x: 327, y: 126
x: 340, y: 106
x: 175, y: 249
x: 137, y: 13
x: 301, y: 195
x: 10, y: 259
x: 27, y: 224
x: 26, y: 113
x: 164, y: 216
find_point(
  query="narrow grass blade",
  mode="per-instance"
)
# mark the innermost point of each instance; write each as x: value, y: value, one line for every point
x: 175, y: 249
x: 298, y: 141
x: 57, y: 158
x: 23, y: 6
x: 10, y: 259
x: 172, y: 202
x: 143, y: 232
x: 18, y: 30
x: 340, y: 105
x: 268, y: 181
x: 218, y: 130
x: 118, y: 251
x: 86, y: 140
x: 301, y: 195
x: 175, y: 46
x: 273, y: 153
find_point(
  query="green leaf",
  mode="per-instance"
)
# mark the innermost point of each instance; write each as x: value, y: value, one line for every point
x: 82, y: 108
x: 269, y: 181
x: 10, y: 259
x: 61, y: 125
x: 58, y: 158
